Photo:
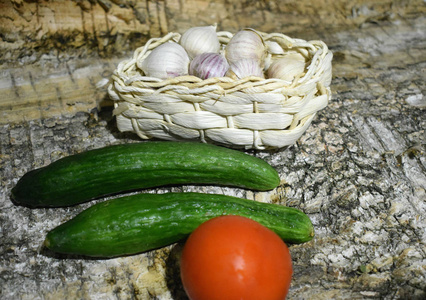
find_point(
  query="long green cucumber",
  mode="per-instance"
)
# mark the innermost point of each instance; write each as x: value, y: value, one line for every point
x: 113, y: 169
x: 142, y: 222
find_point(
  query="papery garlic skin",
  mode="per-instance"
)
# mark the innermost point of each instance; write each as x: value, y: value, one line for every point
x: 198, y: 40
x: 274, y: 48
x: 244, y: 68
x: 208, y: 65
x: 246, y: 44
x: 166, y: 61
x: 287, y: 67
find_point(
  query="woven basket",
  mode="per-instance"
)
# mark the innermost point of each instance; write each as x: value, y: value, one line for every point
x: 248, y: 113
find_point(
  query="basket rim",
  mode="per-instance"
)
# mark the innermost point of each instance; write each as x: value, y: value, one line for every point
x: 317, y: 49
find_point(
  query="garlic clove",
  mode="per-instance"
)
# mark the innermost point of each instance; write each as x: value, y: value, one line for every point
x: 167, y: 60
x: 208, y: 65
x: 274, y: 48
x: 198, y: 40
x: 244, y: 68
x: 246, y: 44
x: 287, y: 67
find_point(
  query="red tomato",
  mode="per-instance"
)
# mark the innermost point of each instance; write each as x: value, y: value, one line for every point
x: 233, y: 257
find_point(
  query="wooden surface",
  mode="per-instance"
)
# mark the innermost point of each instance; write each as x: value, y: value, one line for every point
x: 359, y: 171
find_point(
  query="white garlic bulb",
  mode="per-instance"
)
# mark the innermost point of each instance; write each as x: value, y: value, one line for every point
x: 246, y: 44
x: 208, y: 65
x: 197, y: 40
x: 287, y: 67
x: 244, y: 68
x: 166, y: 61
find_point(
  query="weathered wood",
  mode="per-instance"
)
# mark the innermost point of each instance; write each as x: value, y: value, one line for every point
x: 359, y: 171
x: 54, y: 52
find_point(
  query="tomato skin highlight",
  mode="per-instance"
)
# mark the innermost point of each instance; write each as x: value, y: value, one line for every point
x: 234, y: 257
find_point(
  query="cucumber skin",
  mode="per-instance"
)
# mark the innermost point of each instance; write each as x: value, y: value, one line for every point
x: 113, y: 169
x: 143, y: 222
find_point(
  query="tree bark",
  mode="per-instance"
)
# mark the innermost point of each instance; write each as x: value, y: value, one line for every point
x: 53, y: 53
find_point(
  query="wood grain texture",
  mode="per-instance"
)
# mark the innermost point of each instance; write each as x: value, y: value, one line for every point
x: 359, y: 171
x: 53, y: 53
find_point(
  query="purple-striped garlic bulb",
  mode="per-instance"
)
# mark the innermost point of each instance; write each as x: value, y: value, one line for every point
x: 208, y: 65
x: 245, y: 67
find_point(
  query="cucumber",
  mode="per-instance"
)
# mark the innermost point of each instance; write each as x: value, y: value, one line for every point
x: 142, y: 222
x: 113, y: 169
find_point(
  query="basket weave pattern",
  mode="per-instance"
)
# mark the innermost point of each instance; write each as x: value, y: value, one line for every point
x: 248, y: 113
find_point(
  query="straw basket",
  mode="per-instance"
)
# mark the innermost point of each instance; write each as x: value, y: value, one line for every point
x: 251, y: 113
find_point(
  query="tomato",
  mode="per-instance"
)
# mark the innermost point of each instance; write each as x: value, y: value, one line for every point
x: 234, y: 257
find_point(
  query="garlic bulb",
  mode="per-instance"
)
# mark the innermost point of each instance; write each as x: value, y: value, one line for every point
x: 197, y: 40
x: 244, y: 68
x: 246, y: 44
x: 207, y: 65
x: 166, y: 61
x: 287, y: 67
